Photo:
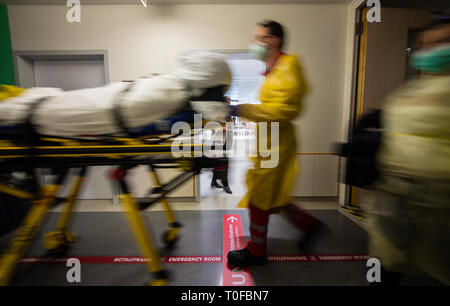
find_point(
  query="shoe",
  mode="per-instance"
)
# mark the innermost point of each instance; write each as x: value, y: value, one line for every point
x: 214, y: 183
x: 227, y: 189
x: 242, y: 258
x: 309, y: 240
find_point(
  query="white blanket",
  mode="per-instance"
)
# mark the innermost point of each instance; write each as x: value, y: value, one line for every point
x: 90, y: 111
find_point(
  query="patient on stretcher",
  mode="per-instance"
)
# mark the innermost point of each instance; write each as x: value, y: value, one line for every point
x: 142, y: 107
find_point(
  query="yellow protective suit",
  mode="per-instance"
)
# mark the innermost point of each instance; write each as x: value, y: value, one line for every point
x: 281, y: 101
x: 9, y: 91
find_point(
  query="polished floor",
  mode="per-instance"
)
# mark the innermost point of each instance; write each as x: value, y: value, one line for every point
x: 105, y: 233
x: 108, y: 234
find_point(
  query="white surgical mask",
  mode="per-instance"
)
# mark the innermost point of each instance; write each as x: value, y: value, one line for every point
x: 259, y: 51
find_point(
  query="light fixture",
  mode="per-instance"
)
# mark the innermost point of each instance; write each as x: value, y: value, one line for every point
x: 144, y: 3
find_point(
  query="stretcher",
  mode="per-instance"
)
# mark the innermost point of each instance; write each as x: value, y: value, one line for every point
x: 21, y: 149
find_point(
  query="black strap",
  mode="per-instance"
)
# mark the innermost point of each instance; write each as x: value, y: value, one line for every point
x: 117, y: 112
x: 215, y: 93
x: 31, y: 135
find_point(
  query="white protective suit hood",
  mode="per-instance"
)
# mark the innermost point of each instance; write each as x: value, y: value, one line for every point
x: 201, y: 70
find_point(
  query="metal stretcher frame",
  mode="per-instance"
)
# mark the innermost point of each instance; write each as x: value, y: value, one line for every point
x: 69, y: 154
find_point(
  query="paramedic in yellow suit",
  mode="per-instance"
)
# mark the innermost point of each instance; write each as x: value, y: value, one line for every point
x: 269, y: 188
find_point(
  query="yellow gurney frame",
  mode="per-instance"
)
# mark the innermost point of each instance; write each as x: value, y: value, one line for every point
x: 60, y: 155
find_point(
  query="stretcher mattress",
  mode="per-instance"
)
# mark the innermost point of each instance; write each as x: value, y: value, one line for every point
x: 90, y: 111
x: 161, y: 126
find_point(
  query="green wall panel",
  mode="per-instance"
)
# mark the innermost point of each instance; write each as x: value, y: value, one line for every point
x: 6, y: 61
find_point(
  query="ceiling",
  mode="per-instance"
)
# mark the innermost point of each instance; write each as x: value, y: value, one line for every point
x: 109, y: 2
x: 415, y: 4
x: 418, y: 4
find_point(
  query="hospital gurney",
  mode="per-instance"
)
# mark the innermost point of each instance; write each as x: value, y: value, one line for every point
x: 28, y: 152
x: 119, y: 124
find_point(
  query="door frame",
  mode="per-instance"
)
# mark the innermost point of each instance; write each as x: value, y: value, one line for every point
x: 355, y: 29
x: 24, y: 68
x: 357, y: 105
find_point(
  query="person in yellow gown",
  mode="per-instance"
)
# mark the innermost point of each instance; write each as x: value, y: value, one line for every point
x: 269, y: 188
x: 408, y: 213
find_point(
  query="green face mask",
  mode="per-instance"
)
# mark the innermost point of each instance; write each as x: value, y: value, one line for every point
x: 435, y: 60
x: 258, y: 51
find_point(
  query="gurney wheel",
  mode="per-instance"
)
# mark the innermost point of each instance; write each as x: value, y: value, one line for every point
x: 59, y: 251
x: 158, y: 282
x: 169, y: 238
x: 161, y: 278
x: 58, y: 242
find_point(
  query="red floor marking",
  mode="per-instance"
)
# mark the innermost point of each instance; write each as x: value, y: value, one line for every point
x: 318, y: 258
x: 233, y: 239
x: 197, y: 259
x: 124, y: 259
